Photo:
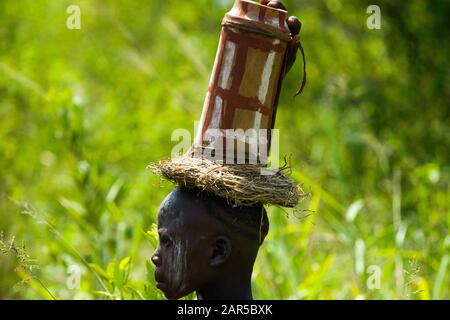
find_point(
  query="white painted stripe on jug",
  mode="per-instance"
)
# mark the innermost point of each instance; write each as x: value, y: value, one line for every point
x: 265, y: 79
x: 215, y: 119
x: 228, y: 60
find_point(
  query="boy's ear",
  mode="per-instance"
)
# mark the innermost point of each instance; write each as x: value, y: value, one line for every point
x: 221, y: 251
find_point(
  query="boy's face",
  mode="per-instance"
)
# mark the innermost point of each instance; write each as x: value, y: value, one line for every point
x: 186, y: 234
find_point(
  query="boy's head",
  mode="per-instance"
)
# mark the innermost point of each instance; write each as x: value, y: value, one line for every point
x: 202, y: 237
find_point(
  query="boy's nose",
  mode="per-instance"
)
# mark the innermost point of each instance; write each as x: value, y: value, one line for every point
x: 156, y: 259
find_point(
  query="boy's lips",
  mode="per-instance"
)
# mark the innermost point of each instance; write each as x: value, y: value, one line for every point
x: 159, y: 280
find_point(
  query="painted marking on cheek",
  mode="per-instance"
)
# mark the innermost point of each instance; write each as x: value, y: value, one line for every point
x: 178, y: 265
x: 177, y: 262
x: 173, y: 265
x: 183, y: 283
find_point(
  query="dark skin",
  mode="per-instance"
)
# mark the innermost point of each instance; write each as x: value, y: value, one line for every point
x: 197, y: 252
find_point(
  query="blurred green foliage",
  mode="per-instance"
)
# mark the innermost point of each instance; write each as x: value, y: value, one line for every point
x: 82, y: 112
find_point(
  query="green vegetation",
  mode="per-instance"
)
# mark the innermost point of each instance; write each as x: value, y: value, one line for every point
x: 82, y: 112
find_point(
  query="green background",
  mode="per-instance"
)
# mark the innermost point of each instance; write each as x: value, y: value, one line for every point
x: 82, y: 112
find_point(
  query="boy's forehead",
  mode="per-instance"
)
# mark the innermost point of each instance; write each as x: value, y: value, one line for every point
x: 177, y: 206
x: 169, y: 213
x: 181, y: 210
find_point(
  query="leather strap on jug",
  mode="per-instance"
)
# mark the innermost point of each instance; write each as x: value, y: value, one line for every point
x: 302, y: 86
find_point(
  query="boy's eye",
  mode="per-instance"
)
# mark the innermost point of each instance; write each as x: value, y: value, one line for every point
x: 165, y: 241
